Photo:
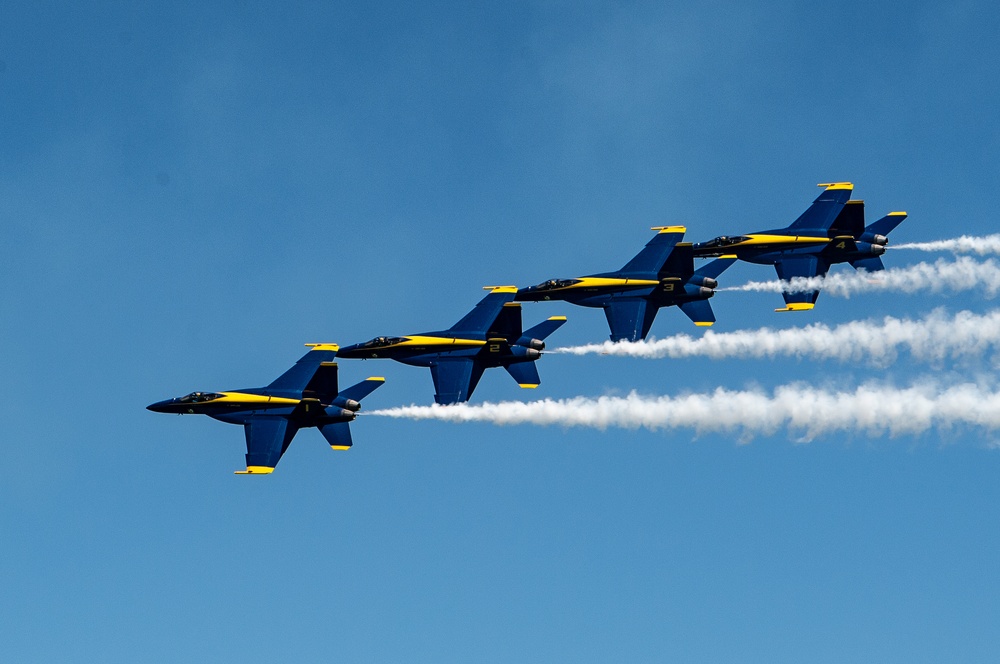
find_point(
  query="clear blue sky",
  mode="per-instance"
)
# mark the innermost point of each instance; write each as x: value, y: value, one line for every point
x: 189, y: 193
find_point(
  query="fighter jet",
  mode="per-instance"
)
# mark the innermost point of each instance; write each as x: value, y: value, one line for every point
x: 831, y: 231
x: 661, y: 275
x: 304, y: 396
x: 488, y: 336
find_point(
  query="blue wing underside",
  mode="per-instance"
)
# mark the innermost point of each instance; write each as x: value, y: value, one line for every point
x: 267, y: 439
x: 455, y: 380
x: 630, y: 319
x: 801, y: 266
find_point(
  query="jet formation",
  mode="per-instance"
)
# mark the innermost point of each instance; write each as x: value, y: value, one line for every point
x: 832, y: 230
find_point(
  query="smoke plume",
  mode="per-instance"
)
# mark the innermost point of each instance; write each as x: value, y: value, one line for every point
x: 962, y: 274
x: 988, y: 245
x: 805, y: 412
x: 935, y: 337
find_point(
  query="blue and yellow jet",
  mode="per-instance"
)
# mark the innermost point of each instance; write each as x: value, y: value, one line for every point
x: 304, y: 396
x: 831, y: 231
x: 661, y: 275
x: 488, y: 336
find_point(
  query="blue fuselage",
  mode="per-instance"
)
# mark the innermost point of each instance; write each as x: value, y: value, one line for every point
x: 239, y: 406
x: 427, y: 348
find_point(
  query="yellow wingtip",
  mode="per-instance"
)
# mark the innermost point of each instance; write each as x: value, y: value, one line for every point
x: 501, y: 289
x: 797, y: 306
x: 340, y: 447
x: 669, y: 229
x: 704, y: 323
x: 837, y: 185
x: 557, y: 318
x: 379, y: 379
x: 897, y: 214
x: 255, y: 470
x: 333, y: 347
x: 729, y: 256
x: 528, y: 386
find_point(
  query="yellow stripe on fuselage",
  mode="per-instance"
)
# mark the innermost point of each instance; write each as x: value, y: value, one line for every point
x: 450, y: 342
x: 779, y: 239
x: 608, y: 282
x: 253, y: 399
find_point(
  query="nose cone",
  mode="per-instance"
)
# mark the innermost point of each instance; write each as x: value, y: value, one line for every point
x: 162, y: 406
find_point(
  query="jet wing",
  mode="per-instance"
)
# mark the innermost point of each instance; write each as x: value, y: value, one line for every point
x: 455, y: 380
x: 800, y: 266
x: 826, y: 208
x: 630, y: 319
x: 267, y: 440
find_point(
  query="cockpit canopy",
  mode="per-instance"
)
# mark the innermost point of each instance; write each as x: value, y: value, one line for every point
x: 199, y: 397
x: 556, y: 283
x: 725, y: 241
x: 381, y: 342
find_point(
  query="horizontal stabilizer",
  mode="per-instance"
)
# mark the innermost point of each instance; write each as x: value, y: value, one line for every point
x: 524, y: 373
x: 699, y: 311
x: 870, y: 264
x: 886, y: 224
x: 545, y: 328
x: 362, y: 389
x: 337, y: 434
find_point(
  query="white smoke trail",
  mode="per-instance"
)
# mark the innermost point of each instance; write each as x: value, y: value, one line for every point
x: 962, y: 274
x: 934, y: 338
x: 804, y: 411
x: 967, y: 244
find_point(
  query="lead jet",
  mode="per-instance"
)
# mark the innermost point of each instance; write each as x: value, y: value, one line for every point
x: 831, y: 231
x: 661, y: 275
x: 488, y: 336
x: 304, y: 396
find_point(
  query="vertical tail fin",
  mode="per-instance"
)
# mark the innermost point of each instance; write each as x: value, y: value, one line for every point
x: 303, y: 372
x: 485, y: 314
x: 656, y: 252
